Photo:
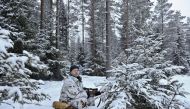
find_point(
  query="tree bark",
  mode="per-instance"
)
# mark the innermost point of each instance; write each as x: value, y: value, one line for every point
x: 93, y: 37
x: 162, y: 22
x: 57, y: 24
x: 83, y: 25
x: 108, y: 57
x: 42, y: 15
x: 68, y: 12
x: 126, y: 25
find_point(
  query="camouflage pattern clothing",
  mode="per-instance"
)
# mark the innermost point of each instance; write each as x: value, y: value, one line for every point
x: 73, y: 92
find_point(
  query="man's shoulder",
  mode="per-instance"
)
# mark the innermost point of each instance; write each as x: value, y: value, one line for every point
x: 68, y: 80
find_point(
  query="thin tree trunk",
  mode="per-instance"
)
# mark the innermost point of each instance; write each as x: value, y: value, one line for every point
x: 108, y: 58
x: 42, y: 15
x: 68, y: 28
x: 51, y: 23
x: 68, y: 12
x: 93, y: 43
x: 83, y: 25
x: 162, y: 22
x: 63, y: 43
x: 162, y: 19
x: 57, y: 24
x: 126, y: 23
x: 102, y: 37
x: 67, y: 32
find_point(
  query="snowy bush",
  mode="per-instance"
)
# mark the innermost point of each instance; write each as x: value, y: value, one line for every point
x: 38, y: 68
x: 147, y: 50
x: 14, y: 76
x: 142, y: 88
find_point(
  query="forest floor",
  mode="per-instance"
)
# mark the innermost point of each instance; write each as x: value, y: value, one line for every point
x: 53, y: 89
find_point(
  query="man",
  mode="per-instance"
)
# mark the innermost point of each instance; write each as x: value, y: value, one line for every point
x: 72, y: 91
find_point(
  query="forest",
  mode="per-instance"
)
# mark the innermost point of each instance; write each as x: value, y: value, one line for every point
x: 138, y: 45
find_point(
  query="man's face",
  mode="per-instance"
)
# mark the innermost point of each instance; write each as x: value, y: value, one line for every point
x: 75, y: 72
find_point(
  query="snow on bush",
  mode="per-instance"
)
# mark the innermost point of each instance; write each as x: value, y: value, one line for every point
x: 15, y: 83
x: 5, y: 42
x: 147, y: 88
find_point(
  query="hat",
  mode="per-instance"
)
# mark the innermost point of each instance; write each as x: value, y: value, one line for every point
x: 73, y: 67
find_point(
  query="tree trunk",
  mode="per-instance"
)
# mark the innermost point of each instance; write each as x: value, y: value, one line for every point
x: 42, y: 15
x: 68, y: 28
x: 63, y: 36
x: 57, y: 24
x: 68, y: 23
x: 162, y: 22
x: 51, y: 23
x: 83, y: 25
x: 93, y: 37
x: 126, y: 27
x: 162, y: 19
x: 108, y: 58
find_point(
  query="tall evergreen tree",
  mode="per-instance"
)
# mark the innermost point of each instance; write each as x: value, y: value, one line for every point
x: 16, y: 23
x: 133, y: 21
x: 62, y: 28
x: 17, y: 16
x: 177, y: 49
x: 163, y: 14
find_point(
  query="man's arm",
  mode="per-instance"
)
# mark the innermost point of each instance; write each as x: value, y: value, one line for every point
x: 70, y: 89
x: 91, y: 92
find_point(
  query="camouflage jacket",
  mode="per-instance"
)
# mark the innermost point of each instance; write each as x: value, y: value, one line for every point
x: 73, y: 92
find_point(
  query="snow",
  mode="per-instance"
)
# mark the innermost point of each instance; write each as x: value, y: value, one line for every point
x: 35, y: 61
x: 15, y: 59
x: 163, y: 82
x: 186, y: 87
x: 13, y: 91
x: 118, y: 104
x: 53, y: 88
x: 178, y: 69
x: 31, y: 55
x: 93, y: 82
x: 16, y: 90
x: 5, y: 42
x: 5, y: 32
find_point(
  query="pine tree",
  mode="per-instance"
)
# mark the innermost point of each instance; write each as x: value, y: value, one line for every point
x: 133, y: 86
x: 163, y: 14
x: 52, y: 48
x: 140, y: 82
x: 115, y: 15
x: 96, y: 31
x: 62, y: 28
x: 17, y: 16
x: 178, y: 48
x: 15, y: 82
x: 74, y: 15
x: 133, y: 21
x: 147, y: 63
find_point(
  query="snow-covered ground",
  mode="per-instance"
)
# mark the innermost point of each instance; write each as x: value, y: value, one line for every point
x: 186, y: 87
x: 53, y: 89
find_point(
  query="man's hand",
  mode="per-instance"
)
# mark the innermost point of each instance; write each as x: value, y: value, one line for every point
x: 98, y: 93
x: 91, y: 92
x: 84, y: 104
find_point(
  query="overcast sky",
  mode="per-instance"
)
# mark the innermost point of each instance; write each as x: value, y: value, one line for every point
x: 182, y: 5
